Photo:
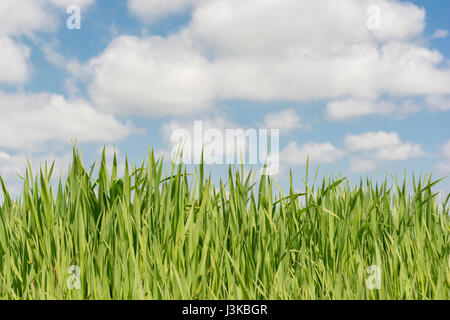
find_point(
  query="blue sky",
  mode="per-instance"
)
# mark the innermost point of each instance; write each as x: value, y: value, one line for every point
x: 361, y: 102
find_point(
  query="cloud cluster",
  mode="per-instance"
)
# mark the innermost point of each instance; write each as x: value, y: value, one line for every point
x: 371, y: 148
x: 29, y: 120
x: 66, y: 3
x: 286, y: 120
x: 322, y: 153
x: 363, y: 151
x: 14, y: 61
x: 440, y: 34
x: 265, y: 50
x: 151, y: 10
x: 384, y: 146
x: 355, y: 108
x: 438, y: 102
x: 151, y: 76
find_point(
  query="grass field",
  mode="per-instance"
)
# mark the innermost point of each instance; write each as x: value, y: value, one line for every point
x: 153, y: 234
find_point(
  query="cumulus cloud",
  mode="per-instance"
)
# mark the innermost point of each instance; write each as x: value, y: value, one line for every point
x: 24, y: 17
x: 265, y: 50
x: 339, y: 110
x: 254, y: 26
x: 368, y: 150
x: 151, y: 76
x: 14, y: 61
x: 383, y: 146
x: 66, y: 3
x: 372, y: 140
x: 286, y: 121
x: 356, y: 108
x: 323, y: 153
x: 29, y: 120
x: 438, y: 102
x: 357, y: 70
x: 440, y: 34
x: 151, y: 10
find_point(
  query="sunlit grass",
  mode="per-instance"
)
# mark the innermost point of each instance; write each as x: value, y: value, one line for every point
x: 151, y: 234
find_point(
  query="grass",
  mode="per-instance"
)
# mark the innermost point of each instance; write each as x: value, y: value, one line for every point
x: 149, y: 235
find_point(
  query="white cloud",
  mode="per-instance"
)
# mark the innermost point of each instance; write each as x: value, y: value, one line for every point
x: 371, y: 141
x: 255, y: 26
x: 151, y: 76
x: 399, y: 20
x: 24, y: 17
x: 403, y: 151
x: 440, y: 34
x: 355, y: 70
x: 293, y: 154
x: 151, y: 10
x: 438, y: 102
x: 30, y: 120
x: 383, y: 146
x: 267, y: 50
x: 370, y: 149
x: 14, y: 64
x: 339, y: 110
x: 286, y: 121
x: 217, y: 122
x: 66, y: 3
x: 354, y: 108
